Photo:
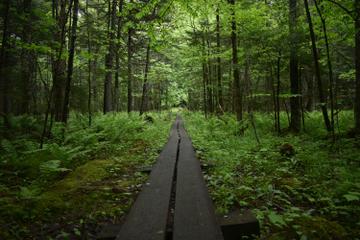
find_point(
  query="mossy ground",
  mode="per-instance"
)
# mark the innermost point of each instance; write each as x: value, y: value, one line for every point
x: 311, y: 194
x: 74, y: 199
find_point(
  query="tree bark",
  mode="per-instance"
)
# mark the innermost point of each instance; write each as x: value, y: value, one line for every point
x: 70, y: 70
x: 4, y: 80
x: 89, y: 63
x: 28, y: 59
x: 219, y: 72
x: 209, y: 78
x: 58, y: 63
x: 295, y: 123
x: 277, y: 104
x: 317, y: 69
x: 109, y: 59
x: 143, y: 106
x: 357, y: 65
x: 205, y: 75
x: 129, y: 71
x: 329, y: 63
x: 235, y: 63
x: 117, y: 59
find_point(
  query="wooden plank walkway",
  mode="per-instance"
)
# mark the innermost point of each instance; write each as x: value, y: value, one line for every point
x: 174, y: 203
x: 194, y: 212
x: 147, y: 219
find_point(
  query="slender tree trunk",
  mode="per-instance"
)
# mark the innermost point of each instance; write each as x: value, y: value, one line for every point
x: 4, y: 80
x: 317, y: 69
x: 129, y: 71
x: 117, y: 59
x: 209, y: 78
x: 235, y: 63
x: 278, y: 92
x: 273, y: 93
x: 302, y: 100
x: 89, y: 63
x: 219, y: 72
x: 331, y: 76
x: 70, y: 62
x: 28, y: 59
x: 59, y: 63
x: 205, y: 76
x: 357, y: 65
x: 143, y: 106
x: 295, y: 123
x: 94, y: 83
x: 309, y: 104
x: 45, y: 130
x: 204, y: 87
x: 109, y: 58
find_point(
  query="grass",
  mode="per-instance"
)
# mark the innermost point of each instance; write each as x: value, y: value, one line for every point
x: 311, y: 194
x: 73, y: 185
x: 88, y: 178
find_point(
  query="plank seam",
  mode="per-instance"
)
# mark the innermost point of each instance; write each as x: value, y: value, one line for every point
x: 171, y: 210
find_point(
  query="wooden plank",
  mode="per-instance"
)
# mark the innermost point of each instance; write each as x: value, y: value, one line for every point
x: 194, y: 212
x: 148, y: 216
x: 239, y: 224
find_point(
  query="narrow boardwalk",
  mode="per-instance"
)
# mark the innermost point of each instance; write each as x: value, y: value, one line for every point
x: 174, y: 203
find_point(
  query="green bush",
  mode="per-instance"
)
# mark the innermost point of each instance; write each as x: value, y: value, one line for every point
x: 319, y: 183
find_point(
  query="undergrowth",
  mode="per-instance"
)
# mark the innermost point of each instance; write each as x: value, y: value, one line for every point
x: 311, y: 192
x: 79, y: 179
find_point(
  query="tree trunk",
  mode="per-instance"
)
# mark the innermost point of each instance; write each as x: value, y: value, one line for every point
x: 209, y: 78
x: 310, y: 94
x: 235, y: 63
x: 357, y: 65
x: 70, y: 69
x: 89, y: 63
x: 295, y: 123
x: 129, y: 69
x: 4, y: 80
x: 28, y: 59
x: 317, y: 69
x: 276, y: 93
x: 143, y: 106
x: 109, y: 59
x: 59, y: 63
x: 94, y: 83
x: 205, y: 76
x: 117, y: 59
x: 331, y: 76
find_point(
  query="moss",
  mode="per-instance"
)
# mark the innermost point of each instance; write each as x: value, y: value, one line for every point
x: 312, y: 228
x: 63, y: 193
x: 321, y: 228
x: 95, y: 191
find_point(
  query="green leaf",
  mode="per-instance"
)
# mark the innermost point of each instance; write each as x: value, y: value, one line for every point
x: 276, y: 219
x: 52, y: 166
x: 28, y: 193
x: 77, y: 232
x: 352, y: 196
x: 303, y: 237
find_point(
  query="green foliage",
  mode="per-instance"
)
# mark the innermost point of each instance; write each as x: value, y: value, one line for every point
x: 313, y: 194
x: 90, y: 173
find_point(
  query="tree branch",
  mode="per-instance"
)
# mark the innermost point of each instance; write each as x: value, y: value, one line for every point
x: 343, y: 8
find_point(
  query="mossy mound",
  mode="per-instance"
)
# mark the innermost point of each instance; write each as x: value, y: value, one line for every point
x: 311, y: 228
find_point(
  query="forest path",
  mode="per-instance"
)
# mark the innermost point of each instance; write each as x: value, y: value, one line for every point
x: 174, y: 203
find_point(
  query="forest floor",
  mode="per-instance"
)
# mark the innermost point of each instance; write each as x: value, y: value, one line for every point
x: 299, y: 186
x: 71, y: 187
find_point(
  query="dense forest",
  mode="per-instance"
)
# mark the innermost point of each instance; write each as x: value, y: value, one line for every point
x: 269, y: 91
